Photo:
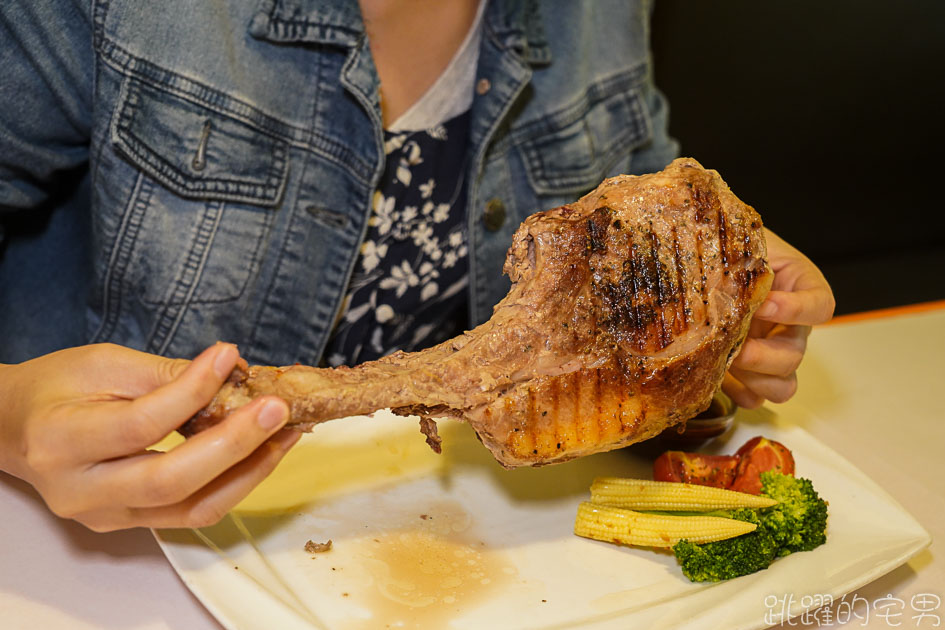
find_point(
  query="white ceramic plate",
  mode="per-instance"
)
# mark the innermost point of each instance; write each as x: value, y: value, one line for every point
x: 455, y: 541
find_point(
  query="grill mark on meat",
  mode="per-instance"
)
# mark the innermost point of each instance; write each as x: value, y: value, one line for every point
x: 556, y: 421
x: 703, y: 280
x: 700, y: 256
x: 746, y: 276
x: 613, y: 381
x: 597, y: 230
x: 723, y: 242
x: 597, y: 399
x: 528, y: 430
x: 567, y: 426
x: 702, y: 204
x: 553, y: 398
x: 637, y: 303
x: 634, y: 312
x: 662, y: 297
x: 572, y: 385
x: 649, y: 311
x: 682, y: 289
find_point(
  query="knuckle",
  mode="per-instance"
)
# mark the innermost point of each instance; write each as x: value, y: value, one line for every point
x: 794, y: 362
x: 749, y: 401
x: 63, y: 505
x: 140, y: 430
x: 42, y: 455
x: 244, y: 440
x: 204, y: 514
x: 39, y: 459
x: 97, y: 522
x: 162, y: 488
x: 787, y: 365
x: 189, y: 388
x: 786, y: 389
x: 791, y: 311
x: 194, y: 393
x: 170, y: 369
x: 100, y: 527
x: 749, y: 356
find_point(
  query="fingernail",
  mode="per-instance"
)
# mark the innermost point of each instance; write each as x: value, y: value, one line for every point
x: 226, y: 357
x: 273, y: 414
x: 768, y: 309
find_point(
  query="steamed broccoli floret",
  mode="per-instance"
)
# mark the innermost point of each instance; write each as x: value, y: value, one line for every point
x: 739, y: 514
x: 726, y: 559
x: 797, y: 523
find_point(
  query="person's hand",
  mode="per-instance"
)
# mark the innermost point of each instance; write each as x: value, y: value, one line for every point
x: 76, y: 425
x: 800, y: 297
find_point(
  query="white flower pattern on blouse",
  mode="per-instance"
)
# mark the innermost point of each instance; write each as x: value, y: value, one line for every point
x: 408, y: 283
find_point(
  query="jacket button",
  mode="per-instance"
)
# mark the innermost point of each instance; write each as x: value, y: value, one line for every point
x: 494, y: 215
x: 482, y: 86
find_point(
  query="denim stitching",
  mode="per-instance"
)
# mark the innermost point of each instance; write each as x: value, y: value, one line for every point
x: 292, y: 30
x: 160, y: 78
x: 220, y: 102
x: 257, y: 329
x: 120, y: 256
x: 626, y: 80
x: 99, y: 14
x: 481, y: 301
x: 251, y: 265
x: 169, y: 319
x: 343, y: 269
x: 638, y: 130
x: 187, y: 184
x: 498, y: 118
x: 539, y: 169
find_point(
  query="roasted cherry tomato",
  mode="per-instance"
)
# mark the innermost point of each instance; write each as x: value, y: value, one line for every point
x: 704, y: 470
x: 756, y: 456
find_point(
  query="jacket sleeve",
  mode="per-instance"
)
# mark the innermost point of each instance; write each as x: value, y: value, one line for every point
x: 662, y: 148
x: 46, y: 70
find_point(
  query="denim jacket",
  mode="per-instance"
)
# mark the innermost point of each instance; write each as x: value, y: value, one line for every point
x: 173, y: 173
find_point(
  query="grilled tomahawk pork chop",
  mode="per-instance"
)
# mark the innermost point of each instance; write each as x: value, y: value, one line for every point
x: 625, y: 310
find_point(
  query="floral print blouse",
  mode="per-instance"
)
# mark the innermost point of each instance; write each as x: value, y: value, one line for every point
x: 408, y: 288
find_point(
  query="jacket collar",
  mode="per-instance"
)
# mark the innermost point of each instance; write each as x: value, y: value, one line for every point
x: 515, y: 24
x: 332, y: 22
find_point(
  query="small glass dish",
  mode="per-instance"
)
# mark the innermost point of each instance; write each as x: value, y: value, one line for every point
x: 709, y: 424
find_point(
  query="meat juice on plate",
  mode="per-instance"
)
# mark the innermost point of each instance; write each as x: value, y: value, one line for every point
x: 422, y: 574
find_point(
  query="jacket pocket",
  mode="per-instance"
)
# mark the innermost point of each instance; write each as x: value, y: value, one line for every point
x: 570, y: 150
x: 196, y: 151
x: 189, y: 196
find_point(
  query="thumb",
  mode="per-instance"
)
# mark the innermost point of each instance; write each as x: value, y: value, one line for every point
x: 148, y: 372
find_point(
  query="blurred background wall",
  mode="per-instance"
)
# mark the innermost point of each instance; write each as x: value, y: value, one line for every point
x: 828, y: 118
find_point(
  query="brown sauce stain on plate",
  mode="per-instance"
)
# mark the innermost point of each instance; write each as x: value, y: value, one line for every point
x: 425, y: 575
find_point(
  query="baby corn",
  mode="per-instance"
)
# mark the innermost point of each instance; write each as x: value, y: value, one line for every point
x: 613, y: 524
x: 642, y: 494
